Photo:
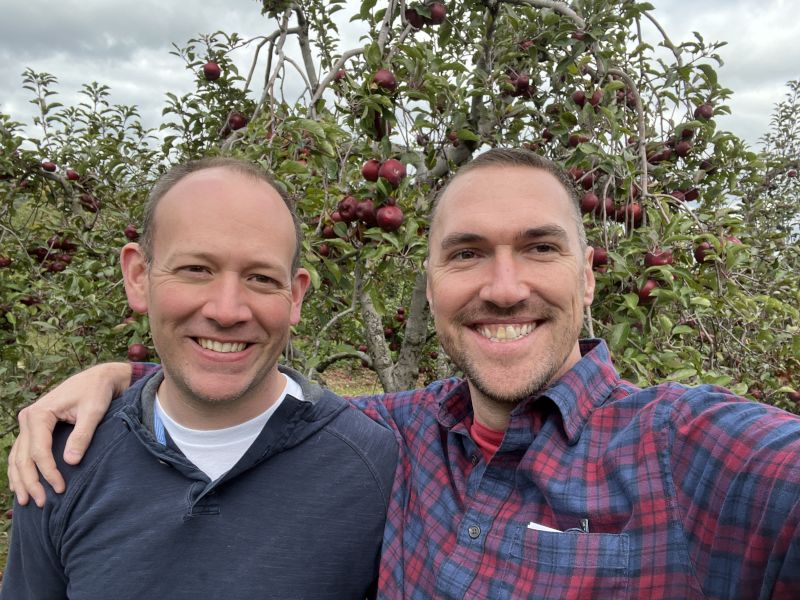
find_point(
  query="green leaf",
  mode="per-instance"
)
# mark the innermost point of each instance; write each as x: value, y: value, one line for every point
x: 681, y: 374
x: 681, y: 329
x: 619, y: 335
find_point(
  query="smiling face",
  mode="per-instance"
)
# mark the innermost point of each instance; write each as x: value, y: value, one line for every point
x: 220, y: 295
x: 508, y: 281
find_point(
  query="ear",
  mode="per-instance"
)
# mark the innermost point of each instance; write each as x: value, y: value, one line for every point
x: 135, y: 276
x: 588, y: 277
x: 428, y: 293
x: 300, y: 283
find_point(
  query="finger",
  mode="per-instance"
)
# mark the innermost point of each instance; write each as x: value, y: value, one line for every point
x: 78, y: 441
x: 37, y: 425
x: 20, y: 492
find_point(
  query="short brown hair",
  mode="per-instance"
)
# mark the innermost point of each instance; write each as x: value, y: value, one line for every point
x: 518, y: 157
x: 243, y: 167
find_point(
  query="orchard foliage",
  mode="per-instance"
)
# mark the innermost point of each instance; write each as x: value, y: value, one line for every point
x: 697, y: 234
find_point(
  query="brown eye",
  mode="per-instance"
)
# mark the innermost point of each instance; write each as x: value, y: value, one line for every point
x: 464, y: 255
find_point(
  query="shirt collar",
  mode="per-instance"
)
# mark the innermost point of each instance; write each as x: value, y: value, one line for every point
x: 584, y: 387
x: 576, y: 394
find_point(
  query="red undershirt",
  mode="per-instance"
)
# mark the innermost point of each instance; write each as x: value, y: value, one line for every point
x: 488, y: 440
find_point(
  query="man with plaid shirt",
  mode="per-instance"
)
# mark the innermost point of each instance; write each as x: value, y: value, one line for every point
x: 542, y: 474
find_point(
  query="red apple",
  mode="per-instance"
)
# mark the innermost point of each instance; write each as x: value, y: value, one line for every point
x: 702, y: 250
x: 646, y: 290
x: 691, y: 194
x: 683, y: 148
x: 389, y: 218
x: 328, y: 232
x: 438, y: 13
x: 678, y: 195
x: 339, y: 75
x: 708, y: 166
x: 414, y: 19
x: 5, y: 261
x: 579, y: 97
x: 388, y: 332
x: 365, y: 212
x: 608, y: 205
x: 211, y: 71
x: 658, y: 258
x: 324, y: 250
x: 600, y: 256
x: 369, y: 170
x: 49, y: 166
x: 576, y: 172
x: 131, y: 232
x: 89, y: 203
x: 791, y: 173
x: 237, y: 120
x: 138, y: 352
x: 347, y: 209
x: 597, y: 96
x: 704, y: 112
x: 393, y: 171
x: 578, y: 138
x: 385, y: 78
x: 589, y: 203
x: 73, y: 175
x: 56, y: 266
x: 634, y: 214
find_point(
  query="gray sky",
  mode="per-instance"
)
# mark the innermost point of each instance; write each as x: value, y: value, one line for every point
x: 126, y: 46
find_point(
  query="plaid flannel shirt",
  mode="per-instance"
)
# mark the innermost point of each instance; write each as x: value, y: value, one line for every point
x: 666, y: 492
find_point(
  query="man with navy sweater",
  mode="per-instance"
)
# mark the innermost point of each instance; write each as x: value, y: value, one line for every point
x: 222, y: 475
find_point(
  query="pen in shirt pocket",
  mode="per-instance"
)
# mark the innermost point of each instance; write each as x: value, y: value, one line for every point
x: 584, y: 527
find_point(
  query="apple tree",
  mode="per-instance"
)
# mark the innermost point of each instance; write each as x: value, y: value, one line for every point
x: 695, y: 266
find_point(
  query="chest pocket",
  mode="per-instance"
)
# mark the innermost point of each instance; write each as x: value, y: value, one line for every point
x: 546, y: 564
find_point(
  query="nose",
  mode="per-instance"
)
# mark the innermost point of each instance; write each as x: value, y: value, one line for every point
x: 227, y: 301
x: 505, y: 285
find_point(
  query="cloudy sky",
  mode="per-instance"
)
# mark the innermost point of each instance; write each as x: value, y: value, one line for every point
x: 126, y: 46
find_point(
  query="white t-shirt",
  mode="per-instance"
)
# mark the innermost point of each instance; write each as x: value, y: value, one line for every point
x: 215, y: 451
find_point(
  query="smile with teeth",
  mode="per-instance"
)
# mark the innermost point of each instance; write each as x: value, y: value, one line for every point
x: 221, y: 346
x: 497, y: 332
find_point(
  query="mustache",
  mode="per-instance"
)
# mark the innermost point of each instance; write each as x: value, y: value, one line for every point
x: 486, y: 310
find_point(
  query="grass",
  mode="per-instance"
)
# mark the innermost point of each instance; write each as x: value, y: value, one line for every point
x: 355, y: 381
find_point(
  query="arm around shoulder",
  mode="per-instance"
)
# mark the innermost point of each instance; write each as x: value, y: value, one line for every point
x: 83, y: 400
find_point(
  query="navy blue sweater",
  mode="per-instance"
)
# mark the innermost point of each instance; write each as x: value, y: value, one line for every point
x: 300, y: 516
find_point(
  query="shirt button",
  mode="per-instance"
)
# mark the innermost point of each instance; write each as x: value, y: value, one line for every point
x: 474, y: 531
x: 475, y: 459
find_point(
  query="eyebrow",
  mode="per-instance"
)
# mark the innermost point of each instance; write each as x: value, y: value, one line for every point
x: 534, y: 233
